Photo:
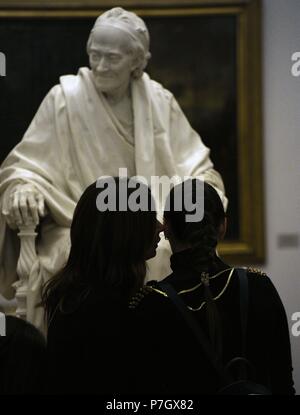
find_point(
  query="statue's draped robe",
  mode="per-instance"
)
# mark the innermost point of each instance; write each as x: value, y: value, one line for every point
x: 73, y: 139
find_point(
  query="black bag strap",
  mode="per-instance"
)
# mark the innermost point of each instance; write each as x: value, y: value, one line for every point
x: 244, y: 301
x: 194, y: 325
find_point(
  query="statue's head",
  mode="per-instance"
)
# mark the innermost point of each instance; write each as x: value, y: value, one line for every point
x: 121, y: 39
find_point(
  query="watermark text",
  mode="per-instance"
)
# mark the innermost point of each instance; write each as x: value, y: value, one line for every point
x: 296, y: 325
x: 2, y: 324
x: 295, y: 70
x: 2, y: 64
x: 132, y: 193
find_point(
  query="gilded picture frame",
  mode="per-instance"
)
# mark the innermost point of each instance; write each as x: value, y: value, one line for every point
x: 208, y: 53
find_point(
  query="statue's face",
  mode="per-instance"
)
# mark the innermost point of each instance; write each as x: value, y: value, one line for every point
x: 111, y: 59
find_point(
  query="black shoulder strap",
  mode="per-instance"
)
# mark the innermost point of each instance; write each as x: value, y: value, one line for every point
x: 195, y: 327
x: 244, y: 301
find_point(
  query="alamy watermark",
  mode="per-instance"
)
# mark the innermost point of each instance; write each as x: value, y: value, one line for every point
x: 295, y: 69
x: 296, y: 326
x: 2, y: 324
x: 2, y: 64
x: 187, y: 197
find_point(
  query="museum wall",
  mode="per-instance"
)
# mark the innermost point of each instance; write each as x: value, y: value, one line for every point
x: 281, y: 38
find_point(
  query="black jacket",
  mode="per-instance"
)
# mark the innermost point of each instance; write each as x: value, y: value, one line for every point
x: 85, y: 347
x: 172, y: 359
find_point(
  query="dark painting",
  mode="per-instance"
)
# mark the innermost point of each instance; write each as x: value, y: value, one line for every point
x: 195, y: 58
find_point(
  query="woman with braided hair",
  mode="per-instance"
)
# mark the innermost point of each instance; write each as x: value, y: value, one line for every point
x: 176, y: 363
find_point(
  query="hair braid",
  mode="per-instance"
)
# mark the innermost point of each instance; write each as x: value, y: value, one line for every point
x: 202, y: 237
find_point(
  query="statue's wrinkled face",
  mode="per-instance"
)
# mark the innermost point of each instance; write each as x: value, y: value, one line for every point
x: 111, y: 59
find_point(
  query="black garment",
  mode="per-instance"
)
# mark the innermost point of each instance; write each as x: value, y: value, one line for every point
x: 22, y: 358
x: 85, y: 347
x: 172, y: 360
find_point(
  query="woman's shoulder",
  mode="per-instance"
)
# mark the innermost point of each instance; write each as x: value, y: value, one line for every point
x: 264, y: 298
x: 255, y: 272
x: 258, y: 279
x: 149, y: 293
x: 151, y: 302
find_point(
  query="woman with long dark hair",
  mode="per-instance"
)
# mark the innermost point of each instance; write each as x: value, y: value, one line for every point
x: 176, y: 361
x: 87, y: 302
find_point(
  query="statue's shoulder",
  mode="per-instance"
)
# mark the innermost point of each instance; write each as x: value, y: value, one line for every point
x: 70, y: 84
x: 68, y: 78
x: 66, y: 82
x: 53, y: 96
x: 158, y: 90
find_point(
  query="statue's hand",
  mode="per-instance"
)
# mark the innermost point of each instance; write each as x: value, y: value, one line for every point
x: 25, y: 206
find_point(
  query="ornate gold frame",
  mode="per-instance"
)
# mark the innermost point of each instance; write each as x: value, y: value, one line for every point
x: 249, y: 248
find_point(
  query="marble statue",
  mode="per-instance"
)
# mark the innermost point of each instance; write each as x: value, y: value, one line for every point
x: 91, y: 124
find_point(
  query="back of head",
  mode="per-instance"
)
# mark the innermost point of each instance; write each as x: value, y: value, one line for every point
x: 107, y: 234
x: 109, y: 243
x: 22, y: 358
x: 203, y: 234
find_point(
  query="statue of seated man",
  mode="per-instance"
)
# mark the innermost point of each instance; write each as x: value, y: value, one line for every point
x: 108, y: 117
